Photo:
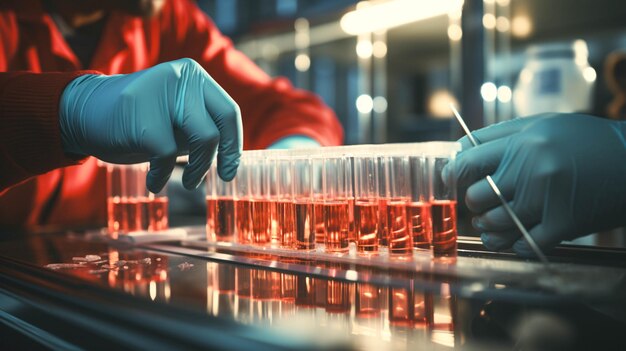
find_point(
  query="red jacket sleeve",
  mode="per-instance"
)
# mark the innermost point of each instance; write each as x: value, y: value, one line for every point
x: 271, y: 108
x: 30, y: 139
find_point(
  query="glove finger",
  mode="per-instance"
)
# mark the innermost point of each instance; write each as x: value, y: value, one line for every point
x: 480, y: 197
x: 497, y: 131
x: 498, y: 219
x: 202, y: 148
x: 227, y: 117
x: 545, y: 237
x: 474, y: 164
x: 160, y: 172
x: 162, y: 148
x: 498, y: 241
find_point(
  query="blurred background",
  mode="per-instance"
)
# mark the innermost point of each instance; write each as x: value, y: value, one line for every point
x: 389, y: 67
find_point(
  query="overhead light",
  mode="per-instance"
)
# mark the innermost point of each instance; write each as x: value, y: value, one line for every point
x: 394, y: 13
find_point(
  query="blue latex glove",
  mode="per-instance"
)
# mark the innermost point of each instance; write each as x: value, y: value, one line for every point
x: 564, y: 175
x: 294, y: 142
x: 154, y: 115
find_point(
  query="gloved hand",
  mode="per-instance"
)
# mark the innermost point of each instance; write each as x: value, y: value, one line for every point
x: 154, y: 115
x: 563, y: 174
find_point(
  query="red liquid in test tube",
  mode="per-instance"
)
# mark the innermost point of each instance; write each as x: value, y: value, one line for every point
x: 352, y: 229
x: 158, y: 213
x: 419, y: 221
x: 305, y: 226
x: 383, y: 234
x: 318, y: 209
x: 261, y: 221
x: 221, y: 218
x: 337, y: 225
x: 444, y: 228
x: 135, y: 214
x: 366, y: 224
x: 243, y: 221
x: 121, y: 214
x: 399, y: 237
x: 285, y: 218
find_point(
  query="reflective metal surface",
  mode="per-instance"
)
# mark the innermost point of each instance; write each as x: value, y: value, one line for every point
x: 475, y: 303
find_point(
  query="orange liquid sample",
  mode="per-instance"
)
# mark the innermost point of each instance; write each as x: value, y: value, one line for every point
x: 399, y: 237
x: 261, y: 217
x: 220, y: 218
x: 366, y: 224
x: 305, y: 226
x: 285, y: 218
x: 383, y: 234
x: 134, y: 214
x: 336, y: 225
x: 243, y: 221
x: 419, y: 221
x: 320, y: 234
x: 444, y: 228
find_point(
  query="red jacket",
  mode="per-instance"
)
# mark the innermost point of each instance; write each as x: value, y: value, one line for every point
x: 29, y: 135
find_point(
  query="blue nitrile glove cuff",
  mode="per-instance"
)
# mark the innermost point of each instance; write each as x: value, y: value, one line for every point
x: 295, y: 142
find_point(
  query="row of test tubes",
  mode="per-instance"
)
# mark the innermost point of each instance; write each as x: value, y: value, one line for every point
x: 381, y: 197
x: 130, y: 206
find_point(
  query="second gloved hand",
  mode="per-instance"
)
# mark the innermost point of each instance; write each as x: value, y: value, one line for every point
x: 154, y: 115
x: 563, y: 174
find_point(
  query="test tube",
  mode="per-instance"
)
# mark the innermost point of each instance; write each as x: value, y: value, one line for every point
x: 303, y: 200
x: 243, y: 216
x: 366, y: 213
x: 317, y: 168
x: 383, y: 225
x: 443, y: 203
x: 220, y: 205
x: 130, y: 206
x: 397, y: 190
x: 285, y: 209
x: 337, y: 189
x: 419, y: 209
x: 259, y: 199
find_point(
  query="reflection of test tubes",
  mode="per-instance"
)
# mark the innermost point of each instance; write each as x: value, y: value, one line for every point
x: 397, y: 187
x: 338, y: 296
x: 443, y: 203
x: 220, y: 205
x: 367, y: 300
x: 337, y: 189
x: 130, y: 206
x: 366, y: 215
x: 418, y: 210
x: 444, y: 316
x: 303, y: 199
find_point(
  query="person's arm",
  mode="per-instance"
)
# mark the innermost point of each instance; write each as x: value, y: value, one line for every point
x: 271, y: 108
x: 30, y: 139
